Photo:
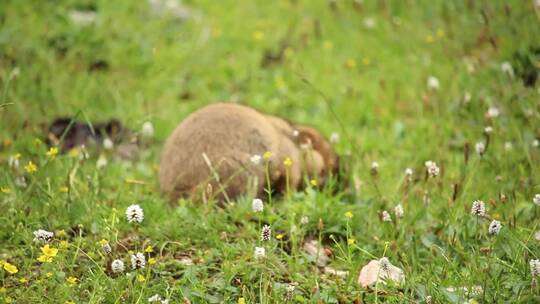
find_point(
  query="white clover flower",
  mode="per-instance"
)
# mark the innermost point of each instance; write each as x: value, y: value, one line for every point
x: 108, y: 144
x: 494, y: 227
x: 257, y: 205
x: 134, y: 213
x: 536, y: 199
x: 138, y: 260
x: 260, y: 252
x: 398, y: 211
x: 535, y: 267
x: 433, y: 83
x: 507, y: 68
x: 409, y: 174
x: 304, y: 220
x: 386, y: 217
x: 369, y: 22
x: 117, y: 266
x: 432, y: 168
x: 480, y: 148
x: 154, y: 298
x: 43, y: 236
x: 508, y: 146
x: 101, y: 162
x: 334, y: 138
x: 478, y: 208
x: 493, y: 112
x: 488, y: 130
x: 535, y: 143
x: 147, y: 129
x: 266, y: 233
x: 256, y: 159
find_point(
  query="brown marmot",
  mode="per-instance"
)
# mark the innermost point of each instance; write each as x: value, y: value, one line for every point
x: 222, y: 144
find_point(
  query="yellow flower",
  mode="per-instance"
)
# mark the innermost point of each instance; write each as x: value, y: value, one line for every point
x: 351, y: 241
x: 152, y: 261
x: 258, y: 35
x: 241, y: 301
x: 366, y: 61
x: 3, y: 290
x: 328, y: 45
x: 48, y: 274
x: 429, y: 39
x: 30, y: 167
x: 69, y: 302
x: 48, y: 254
x: 23, y: 280
x: 440, y: 33
x: 5, y: 190
x: 280, y: 83
x: 37, y: 142
x: 64, y: 189
x: 61, y: 233
x: 287, y: 162
x: 64, y: 244
x: 267, y: 155
x: 53, y: 151
x: 149, y: 249
x: 279, y: 236
x: 103, y: 242
x: 10, y: 268
x: 8, y: 300
x: 141, y: 278
x: 313, y: 182
x: 17, y: 156
x: 350, y: 63
x: 71, y: 281
x: 348, y: 215
x: 74, y: 152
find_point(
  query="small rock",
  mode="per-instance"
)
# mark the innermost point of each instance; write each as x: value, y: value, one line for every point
x: 380, y: 270
x: 313, y: 249
x: 338, y: 273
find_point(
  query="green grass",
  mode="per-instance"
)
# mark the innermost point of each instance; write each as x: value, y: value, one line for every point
x: 368, y: 84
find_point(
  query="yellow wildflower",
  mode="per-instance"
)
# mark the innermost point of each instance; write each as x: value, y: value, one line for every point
x: 348, y: 215
x: 350, y: 63
x: 74, y: 152
x: 3, y: 290
x: 429, y: 39
x: 8, y: 300
x: 10, y: 268
x: 64, y: 189
x: 48, y: 254
x: 23, y: 280
x: 103, y: 242
x: 287, y: 162
x: 152, y: 261
x: 5, y: 190
x: 69, y: 302
x: 64, y: 244
x: 351, y: 241
x: 61, y: 233
x: 53, y: 151
x: 241, y: 301
x: 279, y: 236
x: 258, y: 35
x: 440, y: 33
x: 30, y: 167
x: 141, y: 278
x: 313, y: 182
x: 149, y: 249
x: 48, y: 274
x: 71, y: 281
x: 267, y: 155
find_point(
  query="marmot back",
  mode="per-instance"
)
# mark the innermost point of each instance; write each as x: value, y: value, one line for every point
x: 214, y: 145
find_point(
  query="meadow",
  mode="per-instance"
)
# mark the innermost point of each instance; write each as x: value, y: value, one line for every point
x: 433, y: 106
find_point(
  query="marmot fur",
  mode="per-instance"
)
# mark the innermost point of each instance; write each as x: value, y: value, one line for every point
x: 215, y: 144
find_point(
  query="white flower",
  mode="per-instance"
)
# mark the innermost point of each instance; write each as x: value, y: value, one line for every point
x: 101, y: 162
x: 409, y: 174
x: 536, y: 199
x: 432, y: 168
x: 83, y: 153
x: 108, y: 144
x: 117, y: 266
x: 467, y: 97
x: 138, y: 260
x: 386, y: 217
x: 21, y: 182
x: 507, y: 68
x: 374, y: 168
x: 147, y: 129
x: 290, y: 290
x: 535, y: 143
x: 537, y: 235
x: 478, y: 208
x: 256, y: 159
x: 304, y: 220
x: 493, y: 112
x: 43, y: 236
x: 295, y: 133
x: 257, y: 205
x: 334, y: 138
x: 433, y: 83
x: 154, y: 298
x: 535, y: 268
x: 13, y: 161
x: 494, y: 227
x: 134, y: 213
x: 508, y: 146
x: 266, y: 233
x: 398, y: 211
x: 480, y: 148
x: 82, y: 18
x: 260, y: 252
x: 369, y: 22
x: 488, y: 130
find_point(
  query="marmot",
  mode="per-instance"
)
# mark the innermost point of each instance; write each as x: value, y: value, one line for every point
x: 216, y: 145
